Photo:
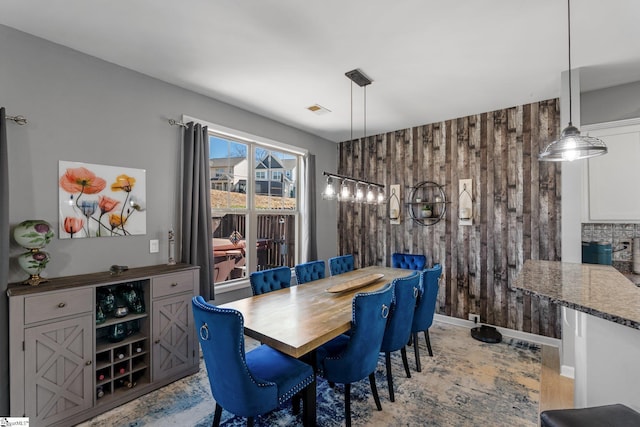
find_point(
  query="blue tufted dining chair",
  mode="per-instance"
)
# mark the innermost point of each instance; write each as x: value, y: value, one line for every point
x: 340, y: 264
x: 309, y: 271
x: 425, y: 308
x: 350, y: 358
x: 270, y: 280
x: 398, y: 330
x: 408, y: 261
x: 247, y: 384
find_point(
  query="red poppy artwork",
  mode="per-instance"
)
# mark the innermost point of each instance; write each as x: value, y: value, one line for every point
x: 101, y: 201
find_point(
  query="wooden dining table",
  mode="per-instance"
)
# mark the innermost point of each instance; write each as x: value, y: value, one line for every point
x: 299, y: 319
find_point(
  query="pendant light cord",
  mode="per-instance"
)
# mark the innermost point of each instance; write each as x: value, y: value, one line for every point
x: 365, y: 112
x: 351, y: 110
x: 569, y: 38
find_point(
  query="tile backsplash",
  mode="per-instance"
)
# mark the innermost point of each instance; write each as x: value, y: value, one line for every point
x: 616, y: 234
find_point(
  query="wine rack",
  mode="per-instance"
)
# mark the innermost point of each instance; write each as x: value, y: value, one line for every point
x: 122, y: 341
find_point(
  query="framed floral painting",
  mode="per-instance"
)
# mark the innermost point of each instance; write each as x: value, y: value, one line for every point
x: 101, y: 201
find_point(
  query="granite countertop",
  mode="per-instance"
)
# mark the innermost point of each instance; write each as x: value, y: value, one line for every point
x: 599, y: 290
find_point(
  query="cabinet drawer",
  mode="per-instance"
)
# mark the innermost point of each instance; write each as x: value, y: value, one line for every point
x: 57, y: 304
x: 172, y: 284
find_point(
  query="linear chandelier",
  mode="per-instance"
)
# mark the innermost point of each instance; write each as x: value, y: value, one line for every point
x: 352, y: 190
x: 572, y: 145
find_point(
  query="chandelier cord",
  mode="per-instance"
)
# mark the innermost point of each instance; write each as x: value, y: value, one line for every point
x: 351, y: 110
x: 365, y: 112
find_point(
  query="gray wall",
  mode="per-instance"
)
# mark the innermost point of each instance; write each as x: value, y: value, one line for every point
x: 610, y: 104
x: 84, y: 109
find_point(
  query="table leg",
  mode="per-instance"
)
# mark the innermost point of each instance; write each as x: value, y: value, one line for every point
x: 309, y: 405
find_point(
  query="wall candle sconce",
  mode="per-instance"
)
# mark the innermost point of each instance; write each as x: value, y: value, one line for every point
x: 465, y: 201
x: 394, y: 204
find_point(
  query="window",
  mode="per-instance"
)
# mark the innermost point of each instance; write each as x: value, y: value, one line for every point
x: 251, y: 198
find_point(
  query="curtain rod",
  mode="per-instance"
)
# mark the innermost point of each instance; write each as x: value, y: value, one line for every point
x: 21, y: 120
x: 176, y: 123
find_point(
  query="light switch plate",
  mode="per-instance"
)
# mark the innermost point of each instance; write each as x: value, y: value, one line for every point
x: 154, y: 246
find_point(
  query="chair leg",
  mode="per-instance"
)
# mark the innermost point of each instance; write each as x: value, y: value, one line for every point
x: 416, y: 350
x: 295, y: 404
x: 374, y: 391
x: 217, y: 416
x: 426, y: 337
x: 347, y: 405
x: 403, y: 352
x: 249, y: 421
x: 309, y: 405
x: 387, y: 358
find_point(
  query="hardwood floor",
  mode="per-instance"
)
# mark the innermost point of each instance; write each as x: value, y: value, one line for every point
x: 556, y: 391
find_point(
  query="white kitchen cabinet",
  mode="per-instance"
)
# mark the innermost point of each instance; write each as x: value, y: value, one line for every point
x: 611, y: 184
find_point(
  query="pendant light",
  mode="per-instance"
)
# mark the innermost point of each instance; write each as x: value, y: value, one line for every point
x: 572, y: 145
x: 353, y: 189
x: 329, y: 192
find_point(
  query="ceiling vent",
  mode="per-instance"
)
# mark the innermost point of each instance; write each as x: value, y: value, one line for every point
x: 318, y: 109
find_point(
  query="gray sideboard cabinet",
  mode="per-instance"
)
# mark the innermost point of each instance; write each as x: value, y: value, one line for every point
x: 70, y: 360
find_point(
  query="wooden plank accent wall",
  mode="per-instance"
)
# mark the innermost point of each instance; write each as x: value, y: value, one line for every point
x: 516, y: 208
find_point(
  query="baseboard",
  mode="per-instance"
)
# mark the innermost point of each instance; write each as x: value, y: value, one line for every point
x: 568, y: 371
x: 233, y: 286
x: 511, y: 333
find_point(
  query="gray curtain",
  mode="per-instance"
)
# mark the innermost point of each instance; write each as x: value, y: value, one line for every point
x: 196, y: 205
x: 4, y: 266
x: 308, y: 209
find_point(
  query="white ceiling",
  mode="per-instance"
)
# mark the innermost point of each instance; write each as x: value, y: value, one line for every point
x: 430, y: 60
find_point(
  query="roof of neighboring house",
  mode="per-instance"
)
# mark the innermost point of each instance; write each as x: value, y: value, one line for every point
x: 225, y: 162
x: 269, y: 162
x: 275, y: 163
x: 222, y: 177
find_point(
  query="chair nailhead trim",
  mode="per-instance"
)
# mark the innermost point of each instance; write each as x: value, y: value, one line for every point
x: 296, y: 389
x: 214, y: 309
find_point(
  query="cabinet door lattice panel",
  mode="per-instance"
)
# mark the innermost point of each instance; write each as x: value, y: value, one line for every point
x: 58, y: 369
x: 172, y: 330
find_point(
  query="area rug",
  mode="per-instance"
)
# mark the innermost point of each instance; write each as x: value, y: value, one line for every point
x: 465, y: 383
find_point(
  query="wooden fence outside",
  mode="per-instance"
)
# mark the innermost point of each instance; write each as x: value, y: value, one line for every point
x: 276, y: 237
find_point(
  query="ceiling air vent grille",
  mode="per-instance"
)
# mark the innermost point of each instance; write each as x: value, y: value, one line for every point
x: 318, y: 109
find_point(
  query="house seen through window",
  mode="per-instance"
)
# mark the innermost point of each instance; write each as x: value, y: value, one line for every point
x: 253, y: 193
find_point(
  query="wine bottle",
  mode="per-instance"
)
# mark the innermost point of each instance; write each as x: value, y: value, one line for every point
x: 129, y: 384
